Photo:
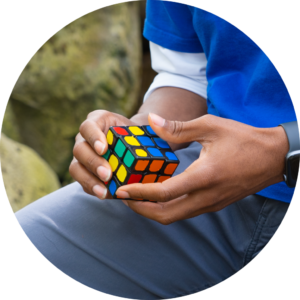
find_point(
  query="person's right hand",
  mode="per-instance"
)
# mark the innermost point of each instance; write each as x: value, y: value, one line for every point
x: 88, y: 167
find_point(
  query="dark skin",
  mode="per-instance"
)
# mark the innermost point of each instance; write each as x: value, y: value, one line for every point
x: 237, y: 160
x: 91, y: 170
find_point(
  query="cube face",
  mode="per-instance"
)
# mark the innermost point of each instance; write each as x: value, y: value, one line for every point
x: 137, y: 155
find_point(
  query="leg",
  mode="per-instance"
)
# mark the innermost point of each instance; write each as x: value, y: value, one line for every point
x: 106, y: 246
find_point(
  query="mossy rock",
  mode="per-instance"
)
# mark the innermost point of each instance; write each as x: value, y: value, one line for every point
x: 27, y: 177
x: 93, y: 63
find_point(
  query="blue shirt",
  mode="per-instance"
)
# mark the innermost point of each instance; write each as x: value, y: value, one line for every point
x: 243, y: 84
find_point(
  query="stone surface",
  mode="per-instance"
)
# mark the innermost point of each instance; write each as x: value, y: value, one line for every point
x: 10, y: 124
x: 27, y: 177
x: 93, y: 63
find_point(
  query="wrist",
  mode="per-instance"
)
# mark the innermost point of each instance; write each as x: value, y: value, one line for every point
x: 278, y: 146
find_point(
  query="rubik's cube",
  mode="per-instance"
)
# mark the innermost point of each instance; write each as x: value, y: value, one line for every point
x: 136, y: 154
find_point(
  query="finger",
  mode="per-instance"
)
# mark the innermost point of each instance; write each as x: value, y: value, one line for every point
x: 95, y: 128
x: 164, y: 213
x: 94, y: 135
x: 93, y: 162
x: 181, y: 208
x: 89, y: 182
x: 183, y: 132
x: 192, y: 179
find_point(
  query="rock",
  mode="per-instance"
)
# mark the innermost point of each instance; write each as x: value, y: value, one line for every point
x: 10, y: 124
x: 27, y: 177
x: 93, y: 63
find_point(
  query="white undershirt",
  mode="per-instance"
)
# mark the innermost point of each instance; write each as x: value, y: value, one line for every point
x: 178, y: 69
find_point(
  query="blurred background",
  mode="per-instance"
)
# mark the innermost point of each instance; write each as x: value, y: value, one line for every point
x: 100, y: 61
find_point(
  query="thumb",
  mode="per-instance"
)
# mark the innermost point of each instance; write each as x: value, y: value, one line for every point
x: 180, y: 132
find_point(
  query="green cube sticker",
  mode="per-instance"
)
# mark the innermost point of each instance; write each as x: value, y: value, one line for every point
x: 107, y: 154
x: 128, y: 159
x: 120, y: 148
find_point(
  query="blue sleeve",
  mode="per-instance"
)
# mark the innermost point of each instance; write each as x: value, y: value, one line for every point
x: 170, y: 25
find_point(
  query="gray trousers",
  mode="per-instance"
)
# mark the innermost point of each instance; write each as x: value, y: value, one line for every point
x: 106, y: 246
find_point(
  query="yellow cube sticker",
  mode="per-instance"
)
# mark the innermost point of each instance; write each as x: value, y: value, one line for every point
x: 132, y: 141
x: 113, y: 161
x: 122, y: 173
x: 141, y: 152
x: 109, y: 137
x: 136, y: 130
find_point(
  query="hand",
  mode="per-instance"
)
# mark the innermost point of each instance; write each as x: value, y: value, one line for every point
x: 236, y: 160
x: 88, y: 167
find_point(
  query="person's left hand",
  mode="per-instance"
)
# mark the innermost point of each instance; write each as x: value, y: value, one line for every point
x: 236, y: 160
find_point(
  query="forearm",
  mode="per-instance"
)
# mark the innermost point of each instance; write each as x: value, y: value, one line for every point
x: 173, y: 104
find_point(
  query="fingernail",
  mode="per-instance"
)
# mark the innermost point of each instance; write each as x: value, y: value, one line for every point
x: 157, y: 120
x: 100, y: 191
x: 103, y: 173
x: 122, y: 194
x: 99, y: 147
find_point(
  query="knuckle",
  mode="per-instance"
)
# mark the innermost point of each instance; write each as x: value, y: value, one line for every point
x: 87, y: 191
x: 177, y: 128
x: 91, y: 162
x: 85, y: 125
x: 106, y: 113
x: 99, y: 113
x: 93, y: 113
x: 209, y: 121
x: 86, y: 185
x: 138, y: 194
x: 85, y: 181
x: 208, y: 118
x: 78, y: 136
x: 72, y: 168
x: 165, y: 194
x: 78, y: 149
